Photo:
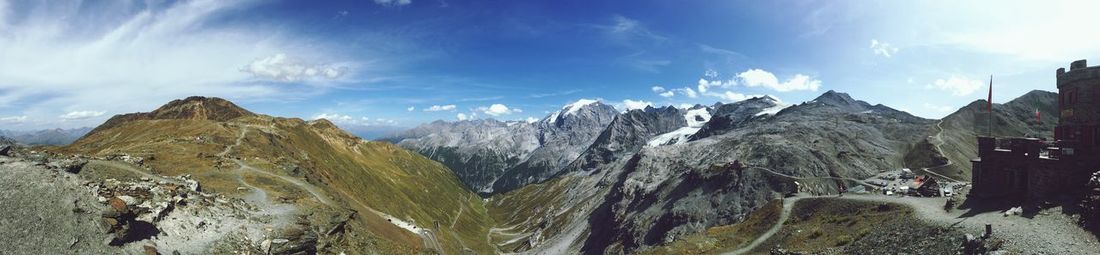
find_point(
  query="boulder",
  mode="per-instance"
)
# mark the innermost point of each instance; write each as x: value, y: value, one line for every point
x: 5, y: 150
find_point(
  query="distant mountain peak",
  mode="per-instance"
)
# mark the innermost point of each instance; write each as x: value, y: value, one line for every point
x: 572, y: 108
x: 197, y: 107
x: 190, y: 108
x: 832, y: 96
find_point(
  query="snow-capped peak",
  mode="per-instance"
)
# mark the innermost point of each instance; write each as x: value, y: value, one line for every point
x: 779, y: 106
x: 695, y: 117
x: 576, y: 106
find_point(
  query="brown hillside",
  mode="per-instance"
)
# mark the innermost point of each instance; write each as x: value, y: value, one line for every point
x: 312, y: 164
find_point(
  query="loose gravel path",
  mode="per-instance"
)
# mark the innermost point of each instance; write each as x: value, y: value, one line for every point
x: 1049, y: 232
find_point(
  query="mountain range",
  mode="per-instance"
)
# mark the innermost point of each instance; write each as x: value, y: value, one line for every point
x: 587, y: 178
x: 397, y: 200
x: 55, y: 136
x: 653, y: 175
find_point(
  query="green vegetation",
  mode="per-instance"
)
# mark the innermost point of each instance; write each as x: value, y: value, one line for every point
x: 358, y: 175
x: 818, y: 224
x: 514, y: 212
x: 725, y: 238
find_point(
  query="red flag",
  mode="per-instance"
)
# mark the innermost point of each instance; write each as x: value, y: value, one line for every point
x: 990, y: 99
x: 1037, y: 117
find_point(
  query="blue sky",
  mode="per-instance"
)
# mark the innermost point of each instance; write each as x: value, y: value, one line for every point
x: 404, y: 62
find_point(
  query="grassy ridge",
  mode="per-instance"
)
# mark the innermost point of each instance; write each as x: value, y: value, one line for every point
x: 356, y: 173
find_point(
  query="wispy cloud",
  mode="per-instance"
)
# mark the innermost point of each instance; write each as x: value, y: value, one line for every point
x: 554, y: 94
x: 957, y: 85
x: 437, y: 108
x: 279, y: 67
x: 393, y: 2
x: 79, y: 115
x: 343, y: 119
x: 882, y: 48
x: 119, y: 58
x: 13, y: 119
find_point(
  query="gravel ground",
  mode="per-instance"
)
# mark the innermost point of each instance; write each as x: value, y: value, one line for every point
x: 905, y: 235
x: 1049, y: 232
x: 44, y: 211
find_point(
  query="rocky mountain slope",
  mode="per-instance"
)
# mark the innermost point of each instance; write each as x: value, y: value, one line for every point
x: 492, y: 156
x: 363, y: 196
x: 55, y: 136
x: 624, y: 194
x: 662, y: 193
x: 1015, y: 118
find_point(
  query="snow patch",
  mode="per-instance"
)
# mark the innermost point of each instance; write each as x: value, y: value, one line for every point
x: 576, y: 106
x: 696, y: 118
x: 569, y: 109
x: 773, y: 110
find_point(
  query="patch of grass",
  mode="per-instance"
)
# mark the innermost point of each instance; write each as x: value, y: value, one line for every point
x: 725, y: 238
x: 818, y: 224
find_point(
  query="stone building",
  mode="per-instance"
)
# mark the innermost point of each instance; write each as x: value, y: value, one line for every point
x: 1032, y: 170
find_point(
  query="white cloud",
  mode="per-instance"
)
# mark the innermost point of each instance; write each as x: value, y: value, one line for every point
x: 761, y: 78
x: 462, y: 116
x: 705, y: 85
x: 437, y: 108
x: 334, y: 117
x: 657, y: 89
x: 532, y: 120
x: 730, y: 96
x: 411, y: 108
x: 80, y: 115
x: 345, y: 120
x: 688, y: 92
x: 279, y: 67
x: 120, y: 57
x: 882, y: 48
x: 13, y: 119
x: 393, y: 2
x: 957, y: 85
x: 667, y: 94
x: 498, y: 110
x: 635, y: 104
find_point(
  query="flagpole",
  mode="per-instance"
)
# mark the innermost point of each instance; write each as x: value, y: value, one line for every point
x: 990, y: 128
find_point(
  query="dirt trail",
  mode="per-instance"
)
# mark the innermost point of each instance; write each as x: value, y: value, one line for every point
x: 242, y: 167
x: 428, y: 237
x: 788, y: 203
x: 773, y: 172
x: 932, y: 170
x: 1051, y: 232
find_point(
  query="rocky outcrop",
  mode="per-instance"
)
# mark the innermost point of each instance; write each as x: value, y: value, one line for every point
x: 629, y: 133
x: 563, y: 136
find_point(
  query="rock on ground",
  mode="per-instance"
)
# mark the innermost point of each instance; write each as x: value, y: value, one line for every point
x: 48, y: 212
